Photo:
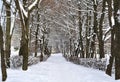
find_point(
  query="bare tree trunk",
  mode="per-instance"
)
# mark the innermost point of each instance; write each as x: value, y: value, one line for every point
x: 117, y: 51
x: 42, y: 47
x: 70, y: 46
x: 87, y: 36
x: 36, y: 35
x: 41, y: 50
x: 87, y: 43
x: 80, y: 35
x: 95, y: 30
x: 21, y: 45
x: 109, y: 66
x: 117, y: 38
x: 100, y: 34
x: 3, y: 66
x: 7, y: 34
x: 25, y: 45
x: 25, y: 30
x: 24, y: 40
x: 36, y: 41
x: 109, y: 12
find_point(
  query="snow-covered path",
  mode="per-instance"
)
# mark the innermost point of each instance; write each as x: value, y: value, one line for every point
x: 57, y: 69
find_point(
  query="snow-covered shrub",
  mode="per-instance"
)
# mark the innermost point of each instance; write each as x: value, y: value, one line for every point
x: 89, y: 62
x: 93, y: 63
x: 16, y: 61
x: 32, y: 60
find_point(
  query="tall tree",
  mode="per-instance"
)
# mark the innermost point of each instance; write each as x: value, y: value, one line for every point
x: 115, y: 42
x: 100, y: 33
x: 109, y: 66
x: 95, y: 28
x: 7, y: 33
x: 117, y: 38
x: 24, y: 13
x: 80, y: 34
x: 87, y: 34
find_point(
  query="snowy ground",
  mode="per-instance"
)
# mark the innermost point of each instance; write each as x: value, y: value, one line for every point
x: 57, y: 69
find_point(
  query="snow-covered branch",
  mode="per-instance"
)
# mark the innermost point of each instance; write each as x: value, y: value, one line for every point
x: 23, y: 10
x: 34, y: 4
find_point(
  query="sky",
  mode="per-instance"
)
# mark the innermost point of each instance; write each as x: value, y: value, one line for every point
x: 0, y: 4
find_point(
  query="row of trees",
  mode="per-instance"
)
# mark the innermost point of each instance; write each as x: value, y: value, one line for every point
x: 90, y: 23
x: 18, y: 10
x: 84, y: 28
x: 97, y: 24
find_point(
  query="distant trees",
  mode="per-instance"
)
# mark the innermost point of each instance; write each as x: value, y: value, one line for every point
x: 94, y: 36
x: 40, y: 32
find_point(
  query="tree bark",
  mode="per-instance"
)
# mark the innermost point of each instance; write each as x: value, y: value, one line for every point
x: 7, y: 34
x: 109, y: 12
x: 70, y: 46
x: 100, y: 34
x: 36, y: 41
x: 36, y: 34
x: 21, y: 46
x: 117, y: 38
x: 80, y: 35
x: 117, y: 52
x: 41, y: 50
x: 95, y: 30
x: 87, y: 50
x: 109, y: 66
x: 25, y: 31
x: 25, y: 44
x: 3, y: 66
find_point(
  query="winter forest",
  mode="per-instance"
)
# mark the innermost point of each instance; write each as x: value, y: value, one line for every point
x: 46, y: 37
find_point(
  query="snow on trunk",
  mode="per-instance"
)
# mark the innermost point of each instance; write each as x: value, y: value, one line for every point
x: 23, y: 10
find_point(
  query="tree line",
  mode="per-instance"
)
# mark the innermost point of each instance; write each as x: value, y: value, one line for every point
x: 12, y: 11
x: 84, y: 29
x: 98, y: 25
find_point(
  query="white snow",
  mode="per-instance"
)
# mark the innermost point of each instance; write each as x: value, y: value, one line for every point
x: 12, y: 24
x: 23, y: 10
x: 113, y: 21
x: 108, y: 37
x: 33, y: 4
x: 57, y: 69
x: 95, y: 2
x: 14, y: 52
x: 8, y: 1
x: 118, y: 17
